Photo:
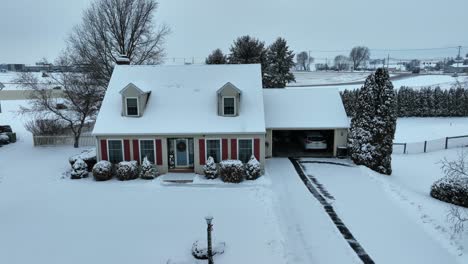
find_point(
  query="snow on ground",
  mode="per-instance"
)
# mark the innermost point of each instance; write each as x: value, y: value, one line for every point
x: 51, y: 219
x: 416, y: 81
x: 417, y: 129
x: 393, y: 217
x: 322, y: 77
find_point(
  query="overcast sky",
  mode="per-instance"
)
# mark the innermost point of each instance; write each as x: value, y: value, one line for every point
x: 32, y: 29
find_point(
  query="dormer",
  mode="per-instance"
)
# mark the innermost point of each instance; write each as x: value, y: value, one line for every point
x: 134, y: 100
x: 228, y: 100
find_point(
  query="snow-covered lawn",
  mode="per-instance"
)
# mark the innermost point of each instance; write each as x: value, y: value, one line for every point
x: 393, y: 217
x: 415, y: 129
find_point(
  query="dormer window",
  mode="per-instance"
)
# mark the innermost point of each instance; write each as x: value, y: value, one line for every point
x: 229, y: 105
x: 132, y: 106
x: 229, y: 100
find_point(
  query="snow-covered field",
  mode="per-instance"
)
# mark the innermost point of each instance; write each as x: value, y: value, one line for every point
x: 321, y: 77
x: 416, y: 81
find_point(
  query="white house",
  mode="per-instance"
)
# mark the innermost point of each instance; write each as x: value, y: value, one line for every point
x: 178, y: 116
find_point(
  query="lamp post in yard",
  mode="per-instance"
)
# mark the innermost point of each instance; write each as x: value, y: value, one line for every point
x: 209, y: 228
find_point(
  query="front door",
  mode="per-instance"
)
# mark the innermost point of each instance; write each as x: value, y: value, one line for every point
x: 181, y: 153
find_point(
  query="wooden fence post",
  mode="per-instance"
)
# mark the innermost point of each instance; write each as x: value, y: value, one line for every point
x: 425, y: 145
x: 446, y: 143
x: 404, y: 149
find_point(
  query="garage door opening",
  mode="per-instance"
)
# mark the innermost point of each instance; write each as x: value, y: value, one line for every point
x: 303, y: 143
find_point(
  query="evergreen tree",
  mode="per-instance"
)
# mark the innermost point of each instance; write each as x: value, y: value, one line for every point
x: 216, y: 57
x: 248, y: 50
x: 279, y: 61
x: 373, y: 126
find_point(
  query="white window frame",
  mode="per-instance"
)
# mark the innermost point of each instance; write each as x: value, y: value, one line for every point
x: 253, y: 147
x: 139, y: 149
x: 220, y: 148
x: 138, y: 106
x: 235, y: 105
x: 123, y: 147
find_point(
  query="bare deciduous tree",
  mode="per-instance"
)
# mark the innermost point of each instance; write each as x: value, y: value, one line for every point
x: 358, y: 55
x: 303, y: 61
x: 341, y: 62
x: 77, y: 104
x: 110, y: 28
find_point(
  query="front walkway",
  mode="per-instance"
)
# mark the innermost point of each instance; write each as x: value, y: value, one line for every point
x: 309, y: 234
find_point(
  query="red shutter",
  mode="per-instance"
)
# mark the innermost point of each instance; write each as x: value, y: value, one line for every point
x: 104, y: 149
x: 126, y: 149
x: 225, y: 148
x: 201, y: 147
x: 233, y: 148
x: 257, y: 148
x: 159, y: 159
x: 136, y: 150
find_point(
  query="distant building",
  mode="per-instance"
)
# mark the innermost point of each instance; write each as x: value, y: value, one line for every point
x: 457, y: 68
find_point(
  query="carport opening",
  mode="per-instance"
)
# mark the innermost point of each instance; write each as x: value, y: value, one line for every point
x: 303, y: 143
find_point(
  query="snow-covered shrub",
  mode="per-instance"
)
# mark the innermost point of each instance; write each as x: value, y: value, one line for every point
x: 79, y: 169
x: 252, y: 169
x: 451, y: 190
x: 102, y: 171
x: 200, y: 249
x: 127, y: 170
x: 147, y: 170
x: 4, y: 139
x: 88, y: 156
x: 231, y: 171
x: 210, y: 170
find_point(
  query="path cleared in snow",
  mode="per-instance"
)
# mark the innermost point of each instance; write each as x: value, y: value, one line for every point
x: 310, y: 235
x: 382, y: 227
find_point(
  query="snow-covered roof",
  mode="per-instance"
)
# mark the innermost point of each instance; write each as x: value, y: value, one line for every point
x: 183, y: 100
x: 304, y: 108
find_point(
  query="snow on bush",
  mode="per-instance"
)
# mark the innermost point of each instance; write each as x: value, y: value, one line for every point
x: 231, y: 171
x: 127, y: 170
x: 4, y: 139
x: 79, y: 169
x: 252, y: 169
x: 147, y: 170
x: 451, y: 190
x: 88, y: 156
x: 102, y: 171
x: 210, y: 170
x: 200, y: 249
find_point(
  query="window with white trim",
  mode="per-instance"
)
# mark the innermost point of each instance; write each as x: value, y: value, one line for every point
x: 115, y: 150
x: 147, y: 150
x: 229, y: 106
x: 245, y: 149
x: 132, y: 106
x: 213, y: 149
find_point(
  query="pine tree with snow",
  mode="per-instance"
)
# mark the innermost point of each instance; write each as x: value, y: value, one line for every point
x: 147, y: 170
x: 79, y: 169
x: 279, y: 62
x: 372, y: 129
x: 216, y: 57
x: 248, y: 50
x: 210, y: 169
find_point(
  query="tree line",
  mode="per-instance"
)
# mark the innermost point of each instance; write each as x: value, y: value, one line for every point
x: 423, y: 102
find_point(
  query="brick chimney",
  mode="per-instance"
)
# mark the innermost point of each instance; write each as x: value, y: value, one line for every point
x: 122, y: 60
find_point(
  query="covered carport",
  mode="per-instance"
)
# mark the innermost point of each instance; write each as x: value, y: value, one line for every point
x: 292, y: 114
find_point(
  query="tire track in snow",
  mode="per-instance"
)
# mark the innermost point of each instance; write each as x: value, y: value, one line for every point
x: 347, y: 235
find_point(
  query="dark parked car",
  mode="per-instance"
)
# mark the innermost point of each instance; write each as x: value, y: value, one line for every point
x: 4, y: 129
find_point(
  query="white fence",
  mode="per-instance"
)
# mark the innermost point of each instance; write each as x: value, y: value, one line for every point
x: 430, y: 145
x: 85, y: 140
